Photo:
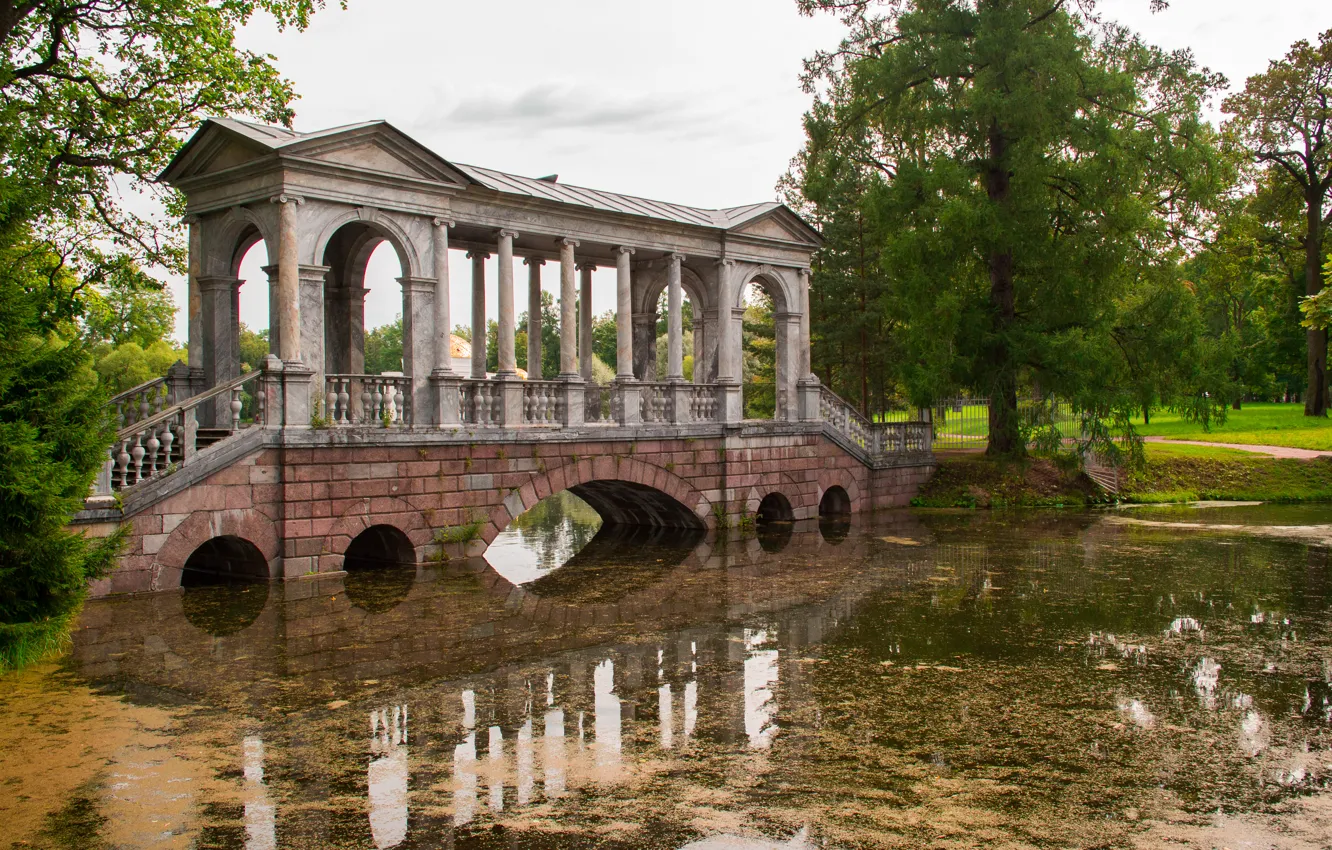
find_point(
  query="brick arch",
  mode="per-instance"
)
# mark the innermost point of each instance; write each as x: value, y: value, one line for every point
x: 839, y: 478
x: 363, y: 513
x: 630, y: 470
x: 202, y: 526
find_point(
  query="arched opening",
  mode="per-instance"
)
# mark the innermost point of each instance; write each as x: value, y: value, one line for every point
x: 835, y: 503
x: 254, y: 301
x: 225, y: 584
x: 381, y: 568
x: 224, y: 560
x: 652, y: 344
x: 363, y: 302
x: 775, y: 508
x: 765, y: 338
x: 592, y: 526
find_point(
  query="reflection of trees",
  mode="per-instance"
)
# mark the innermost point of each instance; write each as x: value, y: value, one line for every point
x: 557, y: 527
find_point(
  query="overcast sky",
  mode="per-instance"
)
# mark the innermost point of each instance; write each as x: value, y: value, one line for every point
x: 692, y: 101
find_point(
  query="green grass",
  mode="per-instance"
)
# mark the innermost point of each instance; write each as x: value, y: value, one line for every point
x: 1182, y: 478
x: 1167, y: 450
x: 1258, y: 424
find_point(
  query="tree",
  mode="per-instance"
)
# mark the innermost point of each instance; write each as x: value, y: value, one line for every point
x: 94, y: 99
x: 1284, y: 118
x: 383, y: 348
x: 254, y: 348
x: 605, y: 339
x: 1029, y: 167
x: 130, y: 364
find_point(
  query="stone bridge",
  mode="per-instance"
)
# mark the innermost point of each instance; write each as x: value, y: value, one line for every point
x: 276, y: 473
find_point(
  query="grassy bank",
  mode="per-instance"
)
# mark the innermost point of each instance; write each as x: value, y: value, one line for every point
x: 1171, y: 474
x: 1255, y: 425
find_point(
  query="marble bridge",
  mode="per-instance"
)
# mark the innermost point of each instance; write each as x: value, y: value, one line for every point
x: 280, y: 472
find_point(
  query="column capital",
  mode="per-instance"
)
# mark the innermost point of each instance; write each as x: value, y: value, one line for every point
x: 588, y: 266
x: 624, y: 249
x: 676, y: 258
x: 443, y: 222
x: 190, y: 219
x: 507, y: 234
x: 804, y: 270
x: 478, y: 255
x: 534, y: 261
x: 285, y: 198
x: 212, y: 283
x: 724, y: 261
x: 565, y: 240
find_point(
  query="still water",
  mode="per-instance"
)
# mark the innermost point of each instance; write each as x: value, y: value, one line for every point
x: 1050, y: 679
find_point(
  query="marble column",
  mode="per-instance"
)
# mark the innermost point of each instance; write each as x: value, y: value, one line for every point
x: 730, y: 399
x: 807, y: 385
x: 194, y: 303
x: 700, y: 346
x: 534, y: 265
x: 310, y: 318
x: 289, y: 278
x: 418, y: 343
x: 508, y: 361
x: 569, y: 337
x: 624, y: 316
x: 805, y: 341
x: 478, y: 259
x: 585, y: 320
x: 674, y: 319
x: 274, y: 311
x: 218, y: 355
x: 443, y: 346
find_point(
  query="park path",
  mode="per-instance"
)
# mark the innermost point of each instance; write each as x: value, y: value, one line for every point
x: 1270, y: 451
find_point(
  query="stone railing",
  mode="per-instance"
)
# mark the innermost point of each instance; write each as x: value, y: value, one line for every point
x: 881, y: 442
x: 543, y: 402
x: 367, y: 399
x: 481, y: 403
x: 701, y: 402
x: 137, y: 404
x: 845, y: 419
x: 600, y: 404
x: 165, y: 441
x: 656, y: 402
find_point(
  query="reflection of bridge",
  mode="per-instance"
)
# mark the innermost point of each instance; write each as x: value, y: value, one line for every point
x: 289, y: 463
x: 472, y: 699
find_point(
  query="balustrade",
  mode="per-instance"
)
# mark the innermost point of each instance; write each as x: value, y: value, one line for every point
x: 882, y: 441
x: 702, y: 403
x: 141, y: 402
x: 482, y: 404
x: 367, y: 399
x: 157, y: 444
x: 543, y: 402
x: 655, y: 402
x: 600, y: 403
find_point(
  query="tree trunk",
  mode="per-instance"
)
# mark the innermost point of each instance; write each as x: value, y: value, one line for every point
x: 1238, y: 404
x: 1146, y: 415
x: 1005, y: 436
x: 1315, y: 400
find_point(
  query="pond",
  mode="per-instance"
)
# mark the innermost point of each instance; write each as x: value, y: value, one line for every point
x: 916, y: 679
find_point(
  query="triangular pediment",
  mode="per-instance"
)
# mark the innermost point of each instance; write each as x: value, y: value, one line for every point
x: 778, y: 222
x: 220, y: 145
x: 379, y: 148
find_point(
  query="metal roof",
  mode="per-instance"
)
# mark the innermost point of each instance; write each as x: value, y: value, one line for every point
x: 275, y: 138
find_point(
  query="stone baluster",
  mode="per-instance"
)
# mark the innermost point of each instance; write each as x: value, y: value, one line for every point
x: 136, y: 454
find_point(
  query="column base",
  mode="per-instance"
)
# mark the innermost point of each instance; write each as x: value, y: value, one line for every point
x: 807, y: 399
x: 447, y: 406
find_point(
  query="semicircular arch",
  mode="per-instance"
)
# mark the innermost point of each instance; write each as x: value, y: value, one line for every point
x: 381, y: 225
x: 359, y: 516
x: 204, y: 525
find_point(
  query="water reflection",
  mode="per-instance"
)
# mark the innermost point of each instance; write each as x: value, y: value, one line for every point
x: 1037, y: 675
x: 224, y: 609
x: 543, y: 538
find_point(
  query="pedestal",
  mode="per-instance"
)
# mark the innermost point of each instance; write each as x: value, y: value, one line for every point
x: 730, y: 402
x: 511, y: 402
x: 807, y: 394
x: 448, y: 399
x: 630, y: 402
x: 574, y: 406
x: 680, y: 394
x: 297, y: 385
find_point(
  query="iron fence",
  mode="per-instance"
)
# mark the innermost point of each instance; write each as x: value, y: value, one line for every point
x: 964, y: 423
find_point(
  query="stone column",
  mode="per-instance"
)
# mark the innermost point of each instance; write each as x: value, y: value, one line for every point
x: 194, y: 302
x: 645, y: 345
x: 674, y: 319
x: 700, y: 346
x: 569, y: 336
x: 443, y: 347
x: 478, y: 259
x: 585, y: 321
x: 220, y: 360
x: 447, y: 408
x: 534, y: 265
x: 807, y: 384
x: 235, y: 321
x: 731, y: 404
x: 785, y: 334
x: 507, y: 358
x: 569, y: 340
x: 274, y: 311
x: 289, y: 280
x: 310, y: 314
x: 418, y: 343
x: 624, y: 316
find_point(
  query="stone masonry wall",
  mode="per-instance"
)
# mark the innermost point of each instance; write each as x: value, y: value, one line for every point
x: 302, y: 507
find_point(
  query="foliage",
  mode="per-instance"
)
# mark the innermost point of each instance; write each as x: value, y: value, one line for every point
x: 54, y: 430
x: 604, y: 340
x: 254, y: 348
x: 127, y: 305
x: 759, y: 355
x: 979, y: 482
x: 130, y: 364
x: 550, y: 340
x: 383, y: 348
x: 1283, y: 118
x: 1020, y: 181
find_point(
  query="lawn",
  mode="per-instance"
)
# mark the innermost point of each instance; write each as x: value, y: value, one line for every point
x: 1255, y: 425
x: 1163, y: 451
